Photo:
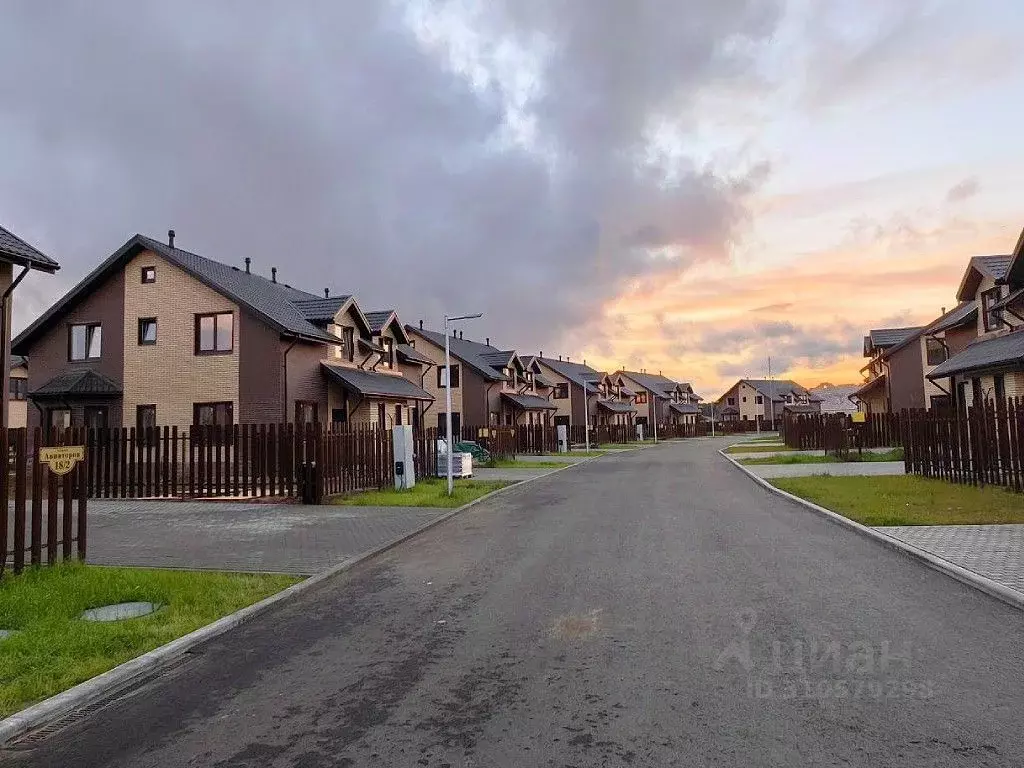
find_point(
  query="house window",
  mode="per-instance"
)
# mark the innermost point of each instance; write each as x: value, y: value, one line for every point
x: 58, y: 418
x: 145, y: 417
x: 215, y: 333
x: 398, y: 415
x: 305, y: 412
x: 744, y: 399
x: 731, y: 401
x: 95, y: 416
x: 147, y: 330
x: 382, y: 416
x: 641, y: 398
x: 442, y: 377
x: 18, y: 388
x: 149, y: 274
x: 561, y: 391
x: 338, y: 415
x: 1000, y: 388
x: 935, y: 351
x: 939, y: 403
x: 759, y: 400
x: 388, y: 360
x: 348, y: 347
x: 85, y: 341
x: 992, y: 318
x: 442, y: 425
x: 213, y: 414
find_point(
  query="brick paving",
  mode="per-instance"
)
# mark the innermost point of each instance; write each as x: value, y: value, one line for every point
x: 995, y: 551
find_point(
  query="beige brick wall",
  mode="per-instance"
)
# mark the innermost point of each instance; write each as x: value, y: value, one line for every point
x: 436, y: 353
x: 564, y: 405
x: 169, y: 373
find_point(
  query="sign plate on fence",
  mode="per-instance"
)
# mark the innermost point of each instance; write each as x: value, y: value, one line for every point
x: 62, y: 459
x: 859, y: 417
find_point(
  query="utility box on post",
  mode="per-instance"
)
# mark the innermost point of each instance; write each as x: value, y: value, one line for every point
x: 640, y: 432
x: 563, y: 438
x: 405, y: 467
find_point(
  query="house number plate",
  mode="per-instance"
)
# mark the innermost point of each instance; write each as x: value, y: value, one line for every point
x: 62, y: 459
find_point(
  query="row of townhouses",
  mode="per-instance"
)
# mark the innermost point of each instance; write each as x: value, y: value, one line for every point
x: 766, y: 401
x: 156, y: 335
x: 972, y: 353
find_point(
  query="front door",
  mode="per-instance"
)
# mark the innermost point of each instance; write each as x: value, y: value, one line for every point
x: 95, y: 416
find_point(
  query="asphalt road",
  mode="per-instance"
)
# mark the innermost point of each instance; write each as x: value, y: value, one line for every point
x: 652, y: 609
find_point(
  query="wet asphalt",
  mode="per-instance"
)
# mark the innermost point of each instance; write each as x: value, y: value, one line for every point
x: 654, y: 608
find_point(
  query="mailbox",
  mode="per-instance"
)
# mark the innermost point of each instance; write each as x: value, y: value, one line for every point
x: 399, y: 468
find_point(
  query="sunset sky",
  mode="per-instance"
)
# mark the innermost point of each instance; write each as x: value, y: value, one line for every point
x: 621, y: 182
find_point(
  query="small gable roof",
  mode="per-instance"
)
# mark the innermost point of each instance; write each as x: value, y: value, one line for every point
x: 580, y: 374
x: 979, y: 267
x: 879, y: 339
x: 80, y: 383
x: 472, y: 354
x: 16, y: 251
x: 373, y: 384
x: 1001, y: 351
x: 381, y: 319
x: 278, y: 305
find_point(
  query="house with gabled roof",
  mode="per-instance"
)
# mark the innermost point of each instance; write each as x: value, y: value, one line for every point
x: 574, y: 389
x: 901, y: 359
x: 766, y: 400
x: 659, y: 398
x: 990, y: 367
x: 489, y: 386
x: 156, y: 335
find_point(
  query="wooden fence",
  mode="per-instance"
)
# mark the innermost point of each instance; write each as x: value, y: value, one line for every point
x: 24, y: 528
x: 982, y: 446
x: 815, y: 432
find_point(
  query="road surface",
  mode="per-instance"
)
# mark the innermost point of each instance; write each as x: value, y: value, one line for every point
x: 654, y: 608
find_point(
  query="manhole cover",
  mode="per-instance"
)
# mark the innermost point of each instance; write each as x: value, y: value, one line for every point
x: 119, y: 611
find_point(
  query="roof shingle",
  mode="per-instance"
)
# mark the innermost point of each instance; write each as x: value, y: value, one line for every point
x: 14, y: 249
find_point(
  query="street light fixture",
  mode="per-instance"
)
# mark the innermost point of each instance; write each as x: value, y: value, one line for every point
x: 448, y: 394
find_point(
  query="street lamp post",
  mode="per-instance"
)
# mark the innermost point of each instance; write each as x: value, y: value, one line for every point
x: 448, y: 395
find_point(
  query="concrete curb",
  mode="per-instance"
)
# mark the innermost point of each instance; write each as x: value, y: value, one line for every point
x: 121, y: 676
x: 963, y: 575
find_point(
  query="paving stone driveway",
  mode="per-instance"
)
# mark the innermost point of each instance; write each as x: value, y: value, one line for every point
x: 281, y: 538
x: 995, y: 551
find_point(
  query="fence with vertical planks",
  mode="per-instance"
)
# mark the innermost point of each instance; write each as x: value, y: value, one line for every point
x: 45, y: 517
x: 814, y: 432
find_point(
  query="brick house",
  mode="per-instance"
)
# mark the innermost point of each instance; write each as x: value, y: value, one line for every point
x: 766, y: 400
x: 902, y: 359
x: 990, y: 365
x: 574, y: 389
x: 489, y: 386
x: 614, y: 404
x: 156, y: 335
x: 662, y: 399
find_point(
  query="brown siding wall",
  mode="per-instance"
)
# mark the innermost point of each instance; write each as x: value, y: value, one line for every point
x: 958, y: 338
x: 49, y: 355
x: 305, y: 381
x: 260, y: 372
x: 906, y: 379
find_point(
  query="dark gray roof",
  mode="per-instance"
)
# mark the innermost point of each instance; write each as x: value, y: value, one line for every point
x: 371, y: 346
x: 1011, y: 298
x: 81, y: 383
x: 685, y: 408
x: 471, y: 353
x: 544, y: 381
x: 653, y: 382
x: 321, y: 310
x: 868, y: 386
x: 995, y: 266
x: 18, y: 360
x: 410, y: 353
x: 500, y: 359
x: 890, y: 337
x: 277, y: 304
x: 370, y: 383
x: 801, y: 408
x: 777, y: 389
x: 616, y: 407
x: 16, y: 250
x: 578, y: 373
x: 529, y: 402
x: 967, y: 311
x: 1000, y: 352
x: 729, y: 410
x: 378, y: 318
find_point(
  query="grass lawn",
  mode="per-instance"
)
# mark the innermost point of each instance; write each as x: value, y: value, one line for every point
x: 428, y: 492
x: 54, y: 650
x: 766, y: 439
x: 907, y: 500
x: 755, y: 448
x: 515, y: 464
x: 622, y: 446
x: 896, y: 454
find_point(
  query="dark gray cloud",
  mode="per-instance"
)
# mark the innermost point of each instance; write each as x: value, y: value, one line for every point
x: 323, y: 138
x: 963, y: 190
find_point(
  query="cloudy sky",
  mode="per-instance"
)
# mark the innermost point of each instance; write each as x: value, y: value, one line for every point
x: 686, y: 187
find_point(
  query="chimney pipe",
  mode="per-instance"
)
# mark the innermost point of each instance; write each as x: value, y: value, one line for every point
x: 943, y: 310
x: 559, y: 358
x: 488, y: 341
x: 170, y: 238
x: 273, y: 274
x: 461, y: 334
x: 421, y: 325
x: 327, y: 293
x: 541, y: 354
x: 248, y: 261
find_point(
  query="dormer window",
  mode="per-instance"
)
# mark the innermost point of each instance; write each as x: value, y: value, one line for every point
x: 388, y: 358
x: 992, y: 318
